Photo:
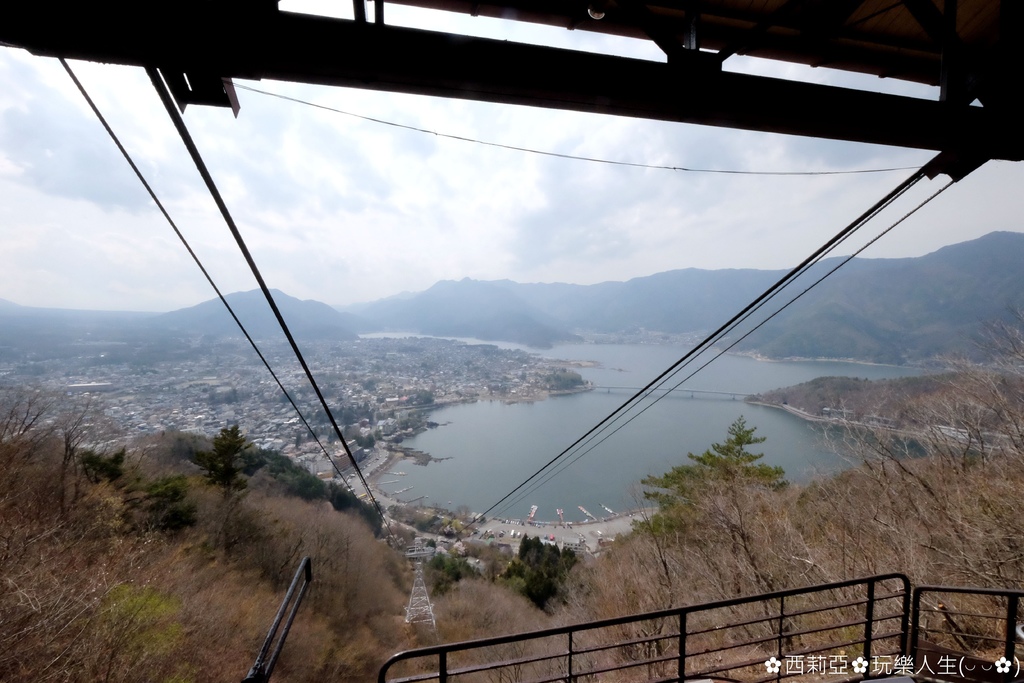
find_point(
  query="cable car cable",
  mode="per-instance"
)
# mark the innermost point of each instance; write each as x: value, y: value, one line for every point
x: 197, y: 159
x: 874, y: 210
x: 573, y: 157
x: 564, y: 465
x: 192, y: 253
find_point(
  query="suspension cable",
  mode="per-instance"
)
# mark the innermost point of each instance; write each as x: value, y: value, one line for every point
x: 561, y: 467
x: 749, y: 309
x: 186, y: 138
x: 195, y: 257
x: 572, y: 157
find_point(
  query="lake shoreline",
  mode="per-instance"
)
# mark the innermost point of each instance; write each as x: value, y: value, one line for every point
x: 494, y: 444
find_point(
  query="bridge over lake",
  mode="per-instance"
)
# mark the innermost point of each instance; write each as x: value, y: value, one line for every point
x: 680, y: 391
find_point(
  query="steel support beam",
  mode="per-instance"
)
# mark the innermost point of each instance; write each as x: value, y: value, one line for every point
x: 303, y: 48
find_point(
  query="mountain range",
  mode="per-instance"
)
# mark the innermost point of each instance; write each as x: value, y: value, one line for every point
x: 879, y: 310
x: 59, y: 332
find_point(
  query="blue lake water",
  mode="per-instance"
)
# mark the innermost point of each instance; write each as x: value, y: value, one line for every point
x: 490, y: 447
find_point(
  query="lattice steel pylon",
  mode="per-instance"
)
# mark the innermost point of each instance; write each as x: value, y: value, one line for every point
x: 420, y: 611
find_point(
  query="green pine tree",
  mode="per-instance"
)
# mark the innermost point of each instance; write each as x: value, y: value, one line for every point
x: 723, y: 462
x: 222, y: 466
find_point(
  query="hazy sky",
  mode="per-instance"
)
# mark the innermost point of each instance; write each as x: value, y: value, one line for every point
x: 344, y: 210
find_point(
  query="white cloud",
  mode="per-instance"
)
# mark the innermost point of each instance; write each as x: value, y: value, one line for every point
x: 341, y: 209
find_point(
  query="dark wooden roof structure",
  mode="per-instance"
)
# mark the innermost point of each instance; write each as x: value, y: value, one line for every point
x: 971, y: 50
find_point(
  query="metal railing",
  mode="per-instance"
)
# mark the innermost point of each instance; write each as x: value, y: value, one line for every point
x: 262, y: 668
x: 967, y: 634
x: 802, y: 634
x: 845, y: 631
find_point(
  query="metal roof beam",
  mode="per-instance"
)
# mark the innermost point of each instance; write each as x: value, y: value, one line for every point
x: 638, y: 14
x: 958, y: 78
x: 303, y: 48
x: 818, y: 22
x: 754, y: 36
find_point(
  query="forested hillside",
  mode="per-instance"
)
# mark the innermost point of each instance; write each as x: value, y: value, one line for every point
x: 165, y: 559
x: 886, y: 401
x: 135, y: 565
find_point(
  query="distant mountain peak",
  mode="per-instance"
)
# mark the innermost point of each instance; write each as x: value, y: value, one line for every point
x: 305, y: 318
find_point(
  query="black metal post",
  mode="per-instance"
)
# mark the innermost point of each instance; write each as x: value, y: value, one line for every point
x: 1012, y: 603
x: 905, y: 620
x: 682, y: 646
x: 570, y: 657
x: 869, y: 615
x: 778, y: 642
x: 911, y: 648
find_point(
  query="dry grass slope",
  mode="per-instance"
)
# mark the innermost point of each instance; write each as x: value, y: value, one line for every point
x: 89, y: 591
